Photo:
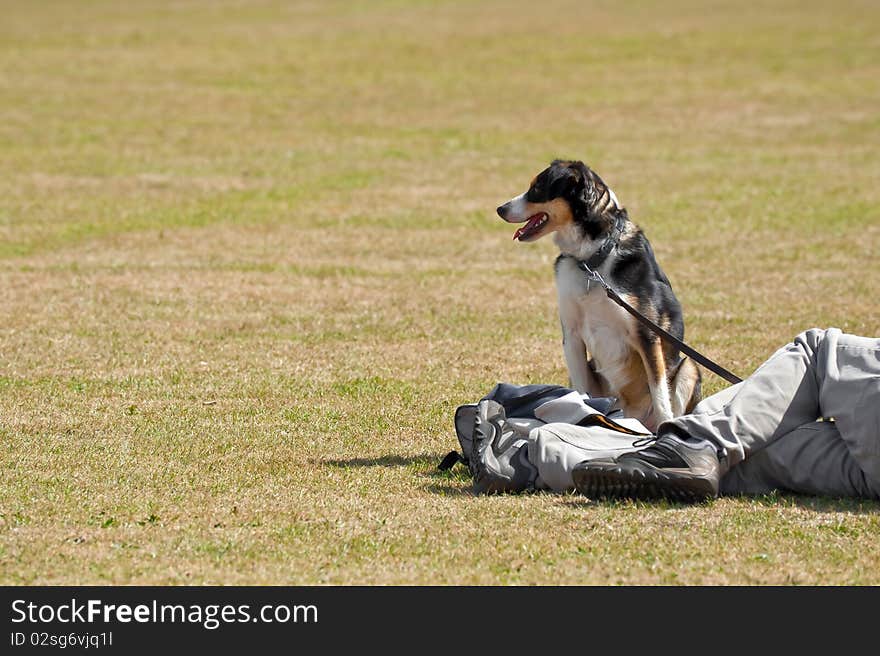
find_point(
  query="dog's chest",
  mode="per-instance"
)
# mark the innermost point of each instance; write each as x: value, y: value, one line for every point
x: 586, y: 311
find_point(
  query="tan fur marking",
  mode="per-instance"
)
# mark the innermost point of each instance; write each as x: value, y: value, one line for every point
x: 656, y: 361
x: 558, y: 216
x: 633, y: 300
x: 635, y: 397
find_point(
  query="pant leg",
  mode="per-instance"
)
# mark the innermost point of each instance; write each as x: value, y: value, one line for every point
x: 812, y: 459
x: 849, y: 390
x: 780, y: 396
x: 822, y: 372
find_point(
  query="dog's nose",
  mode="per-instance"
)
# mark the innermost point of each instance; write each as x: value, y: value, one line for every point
x: 502, y: 210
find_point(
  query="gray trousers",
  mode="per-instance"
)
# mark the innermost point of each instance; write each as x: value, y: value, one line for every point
x: 767, y: 423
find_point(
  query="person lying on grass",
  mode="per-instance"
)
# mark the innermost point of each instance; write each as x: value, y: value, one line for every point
x: 807, y: 420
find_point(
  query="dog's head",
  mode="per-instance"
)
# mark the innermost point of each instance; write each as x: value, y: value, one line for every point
x: 564, y: 194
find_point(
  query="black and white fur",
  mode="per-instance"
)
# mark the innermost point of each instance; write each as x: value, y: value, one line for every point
x: 608, y: 353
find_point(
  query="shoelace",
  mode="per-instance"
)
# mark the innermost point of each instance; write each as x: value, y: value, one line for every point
x: 644, y: 441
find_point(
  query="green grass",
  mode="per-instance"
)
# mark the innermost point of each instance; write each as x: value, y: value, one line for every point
x: 249, y: 266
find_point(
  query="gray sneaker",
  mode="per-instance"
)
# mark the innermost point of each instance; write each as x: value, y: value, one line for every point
x: 670, y: 468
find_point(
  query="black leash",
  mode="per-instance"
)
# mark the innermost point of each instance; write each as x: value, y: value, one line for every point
x: 684, y: 348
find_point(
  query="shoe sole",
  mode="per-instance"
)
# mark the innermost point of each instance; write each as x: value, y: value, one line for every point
x: 616, y: 481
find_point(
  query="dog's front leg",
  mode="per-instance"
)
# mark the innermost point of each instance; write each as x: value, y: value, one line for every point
x: 580, y: 376
x: 655, y: 367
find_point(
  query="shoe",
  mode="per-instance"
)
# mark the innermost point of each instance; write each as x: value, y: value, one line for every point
x: 671, y: 468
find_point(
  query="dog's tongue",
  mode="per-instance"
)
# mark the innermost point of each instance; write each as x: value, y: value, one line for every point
x: 527, y: 227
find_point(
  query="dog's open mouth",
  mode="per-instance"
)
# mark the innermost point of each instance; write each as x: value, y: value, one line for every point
x: 532, y: 226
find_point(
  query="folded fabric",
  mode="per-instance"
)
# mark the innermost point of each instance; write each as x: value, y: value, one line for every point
x: 520, y: 438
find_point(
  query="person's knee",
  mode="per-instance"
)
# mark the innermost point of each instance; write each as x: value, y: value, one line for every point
x: 811, y: 340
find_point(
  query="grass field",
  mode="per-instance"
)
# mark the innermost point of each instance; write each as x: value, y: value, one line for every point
x: 249, y: 265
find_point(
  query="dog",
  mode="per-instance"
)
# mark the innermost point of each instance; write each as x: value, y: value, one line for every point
x: 608, y: 352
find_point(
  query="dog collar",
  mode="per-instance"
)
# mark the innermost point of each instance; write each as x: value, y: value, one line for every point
x: 598, y: 258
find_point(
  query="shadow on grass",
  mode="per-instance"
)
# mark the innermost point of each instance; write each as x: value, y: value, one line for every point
x: 453, y: 482
x: 817, y: 504
x: 382, y: 461
x: 457, y: 482
x: 773, y: 500
x: 577, y: 501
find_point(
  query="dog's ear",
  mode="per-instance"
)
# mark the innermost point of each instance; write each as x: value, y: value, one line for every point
x: 585, y: 193
x: 595, y: 191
